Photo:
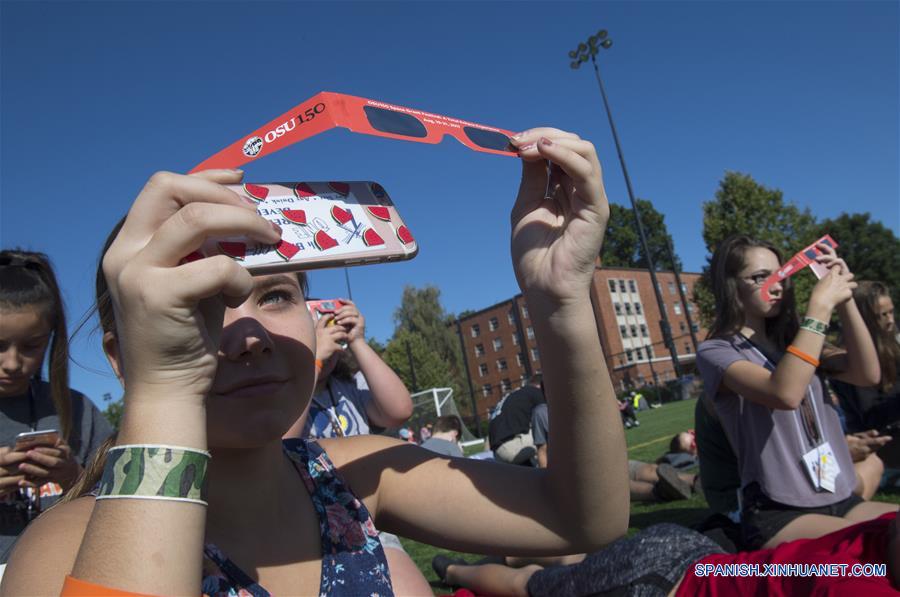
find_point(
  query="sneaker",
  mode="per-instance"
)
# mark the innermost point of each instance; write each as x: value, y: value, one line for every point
x: 670, y: 487
x: 637, y: 423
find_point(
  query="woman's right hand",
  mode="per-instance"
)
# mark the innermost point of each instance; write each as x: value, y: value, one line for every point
x: 168, y: 313
x: 10, y: 475
x: 329, y: 338
x: 836, y: 287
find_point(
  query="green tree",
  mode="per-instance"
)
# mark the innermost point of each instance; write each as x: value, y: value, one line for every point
x: 871, y: 249
x: 622, y: 245
x: 743, y: 206
x: 421, y: 313
x: 113, y: 411
x: 430, y: 370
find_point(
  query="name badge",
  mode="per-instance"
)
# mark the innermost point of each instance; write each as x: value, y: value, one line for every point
x: 822, y: 466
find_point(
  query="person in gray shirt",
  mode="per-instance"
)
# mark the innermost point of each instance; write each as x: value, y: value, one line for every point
x: 445, y: 437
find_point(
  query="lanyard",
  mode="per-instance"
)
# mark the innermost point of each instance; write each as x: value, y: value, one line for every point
x: 332, y: 413
x: 811, y: 426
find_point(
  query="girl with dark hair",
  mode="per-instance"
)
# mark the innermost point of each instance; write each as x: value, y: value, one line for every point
x: 32, y: 318
x: 876, y: 407
x: 759, y: 372
x: 200, y: 493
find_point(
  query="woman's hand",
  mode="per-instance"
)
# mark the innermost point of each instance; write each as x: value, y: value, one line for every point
x: 168, y: 313
x: 556, y: 240
x: 329, y: 338
x: 349, y: 318
x: 835, y: 288
x: 10, y: 476
x: 45, y: 464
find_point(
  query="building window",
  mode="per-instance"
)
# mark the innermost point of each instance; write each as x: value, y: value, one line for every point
x: 629, y: 355
x: 505, y: 385
x: 695, y: 327
x: 501, y: 365
x: 483, y: 369
x: 529, y: 331
x: 671, y: 287
x: 493, y: 323
x: 682, y: 326
x: 510, y: 317
x: 690, y: 307
x: 637, y: 308
x: 631, y: 286
x: 639, y: 354
x: 534, y: 354
x: 687, y: 347
x: 486, y: 389
x: 618, y: 308
x: 612, y: 285
x: 677, y: 308
x: 476, y: 330
x: 665, y: 308
x: 520, y: 359
x: 623, y: 330
x: 644, y: 330
x: 684, y: 288
x: 498, y: 344
x: 479, y: 350
x: 649, y: 351
x: 634, y: 331
x: 628, y: 308
x: 524, y: 311
x: 621, y: 285
x: 515, y: 339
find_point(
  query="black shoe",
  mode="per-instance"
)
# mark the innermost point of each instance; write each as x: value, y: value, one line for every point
x: 440, y: 563
x: 670, y: 487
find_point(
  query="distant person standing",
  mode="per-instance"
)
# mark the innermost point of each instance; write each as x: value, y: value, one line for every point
x: 445, y: 437
x: 510, y: 428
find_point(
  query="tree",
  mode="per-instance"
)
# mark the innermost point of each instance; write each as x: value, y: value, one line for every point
x: 421, y: 314
x: 622, y: 245
x: 871, y: 249
x: 743, y: 206
x: 430, y: 370
x: 113, y: 411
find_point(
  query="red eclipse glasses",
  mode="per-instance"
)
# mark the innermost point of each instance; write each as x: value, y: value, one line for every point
x: 805, y: 257
x: 328, y: 110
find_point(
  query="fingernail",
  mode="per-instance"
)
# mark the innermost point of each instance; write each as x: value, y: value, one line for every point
x: 527, y: 147
x: 276, y: 228
x: 546, y: 141
x: 517, y: 136
x: 237, y: 170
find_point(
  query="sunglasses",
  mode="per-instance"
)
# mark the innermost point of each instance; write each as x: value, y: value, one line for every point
x: 329, y: 110
x: 799, y: 261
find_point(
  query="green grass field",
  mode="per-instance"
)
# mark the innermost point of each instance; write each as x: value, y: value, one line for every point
x: 645, y: 443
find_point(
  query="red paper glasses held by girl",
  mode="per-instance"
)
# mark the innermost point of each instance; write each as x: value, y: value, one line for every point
x: 328, y: 110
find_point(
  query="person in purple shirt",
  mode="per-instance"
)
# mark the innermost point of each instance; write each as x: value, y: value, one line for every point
x: 759, y: 372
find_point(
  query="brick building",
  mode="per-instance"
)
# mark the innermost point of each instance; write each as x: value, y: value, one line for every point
x: 501, y: 353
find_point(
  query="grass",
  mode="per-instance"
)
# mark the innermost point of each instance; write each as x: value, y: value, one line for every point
x: 645, y: 443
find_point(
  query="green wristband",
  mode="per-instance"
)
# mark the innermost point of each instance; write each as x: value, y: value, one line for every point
x: 814, y: 325
x: 155, y: 472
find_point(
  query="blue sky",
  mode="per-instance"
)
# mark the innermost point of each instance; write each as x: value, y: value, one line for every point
x: 96, y: 96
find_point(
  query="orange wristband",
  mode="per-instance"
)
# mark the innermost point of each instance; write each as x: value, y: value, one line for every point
x: 318, y: 366
x: 80, y: 588
x: 803, y: 356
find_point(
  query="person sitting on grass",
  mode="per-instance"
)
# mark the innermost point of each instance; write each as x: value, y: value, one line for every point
x: 217, y: 364
x: 445, y: 436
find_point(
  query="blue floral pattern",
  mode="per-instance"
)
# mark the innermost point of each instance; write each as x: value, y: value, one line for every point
x: 353, y: 560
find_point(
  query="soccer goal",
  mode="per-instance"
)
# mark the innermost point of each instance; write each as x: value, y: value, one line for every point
x: 428, y: 405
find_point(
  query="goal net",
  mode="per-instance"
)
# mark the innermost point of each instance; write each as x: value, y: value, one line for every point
x: 428, y: 405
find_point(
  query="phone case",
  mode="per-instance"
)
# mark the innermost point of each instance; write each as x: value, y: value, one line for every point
x: 319, y: 307
x: 324, y: 224
x: 32, y: 439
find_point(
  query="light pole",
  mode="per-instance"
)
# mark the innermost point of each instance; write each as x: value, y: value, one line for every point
x: 579, y: 56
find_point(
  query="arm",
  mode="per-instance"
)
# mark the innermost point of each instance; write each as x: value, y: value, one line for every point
x: 542, y: 455
x: 580, y: 502
x: 169, y: 319
x: 391, y: 404
x: 785, y: 388
x: 857, y: 362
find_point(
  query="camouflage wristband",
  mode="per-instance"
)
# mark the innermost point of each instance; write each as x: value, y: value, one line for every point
x: 816, y: 326
x: 155, y: 472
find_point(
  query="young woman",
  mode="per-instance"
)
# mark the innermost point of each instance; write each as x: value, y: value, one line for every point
x: 758, y: 370
x: 32, y: 319
x: 214, y: 359
x: 878, y: 406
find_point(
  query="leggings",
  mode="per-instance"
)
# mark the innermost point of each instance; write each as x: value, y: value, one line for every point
x: 647, y: 564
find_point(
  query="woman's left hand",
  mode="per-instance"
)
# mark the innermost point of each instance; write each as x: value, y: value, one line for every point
x: 556, y: 240
x: 45, y: 464
x: 349, y: 317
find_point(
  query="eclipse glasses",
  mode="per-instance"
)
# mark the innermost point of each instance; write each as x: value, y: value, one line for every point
x: 328, y: 110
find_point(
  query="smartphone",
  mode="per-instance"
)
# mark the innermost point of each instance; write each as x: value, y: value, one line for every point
x: 325, y: 224
x: 31, y: 439
x: 318, y: 308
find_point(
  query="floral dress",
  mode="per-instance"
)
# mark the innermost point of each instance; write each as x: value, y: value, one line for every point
x: 353, y: 561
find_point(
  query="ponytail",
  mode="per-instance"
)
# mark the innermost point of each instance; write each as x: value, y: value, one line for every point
x: 27, y: 280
